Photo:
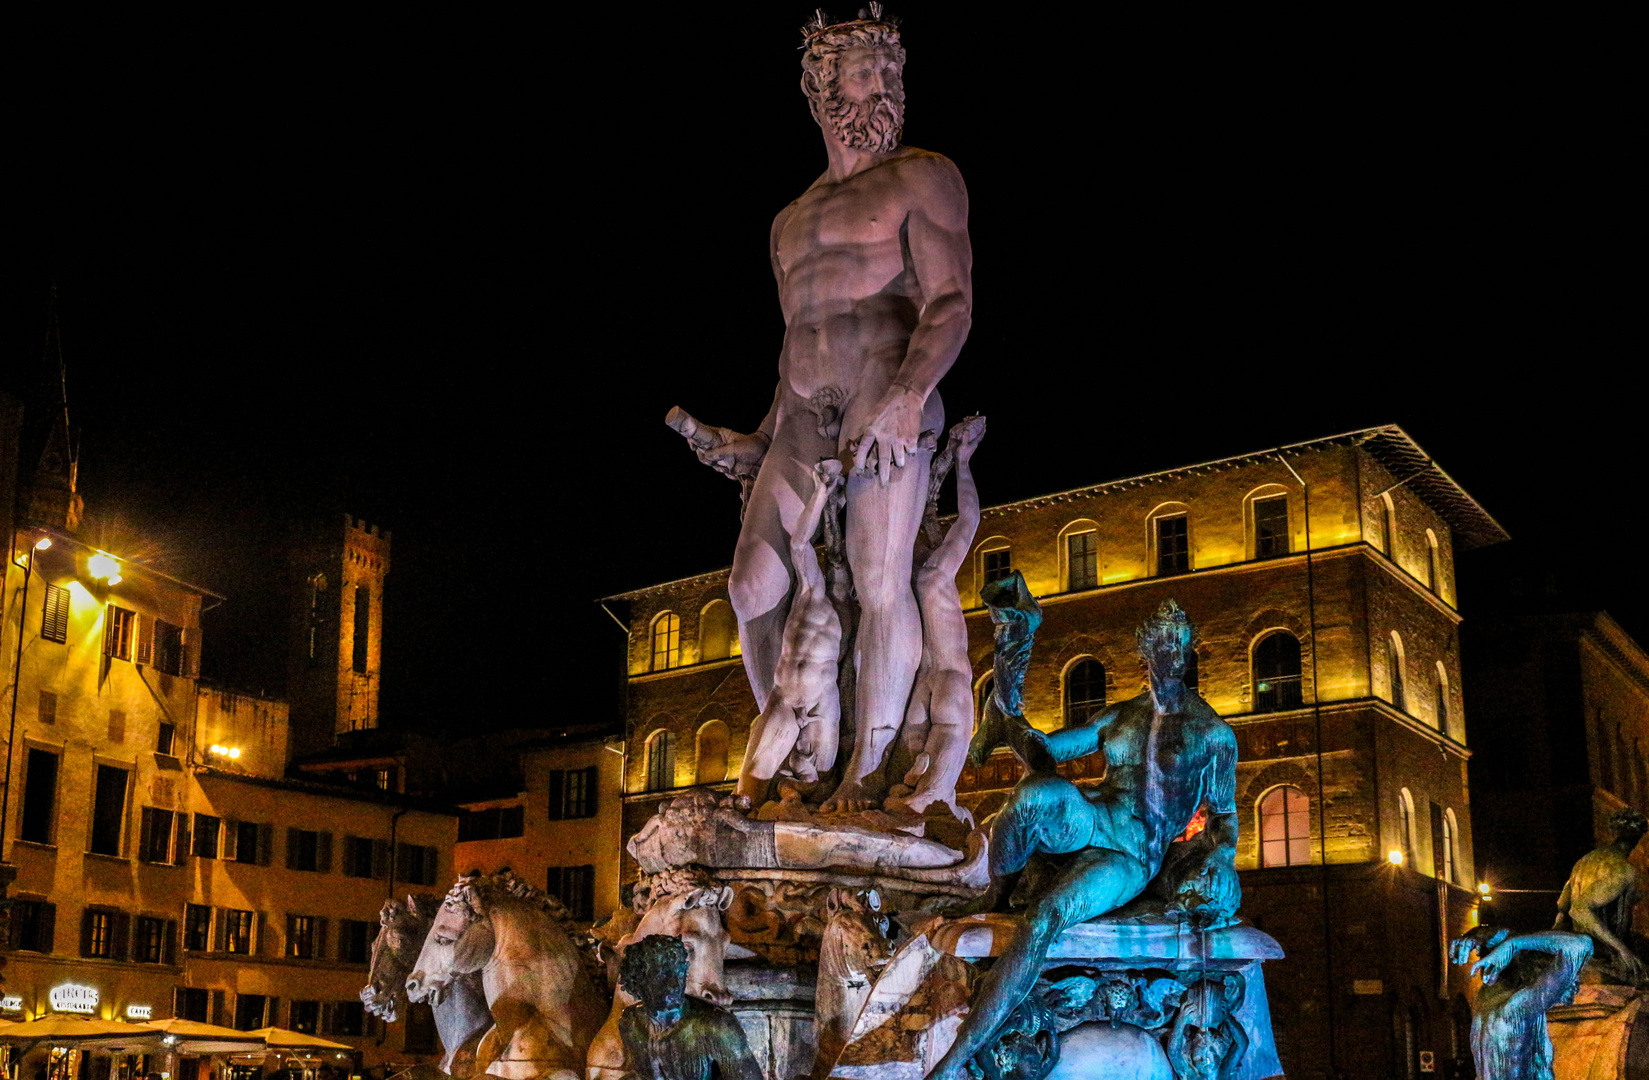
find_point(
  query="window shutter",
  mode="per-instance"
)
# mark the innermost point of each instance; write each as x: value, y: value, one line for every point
x: 220, y: 930
x: 86, y: 932
x: 54, y: 622
x: 122, y: 931
x: 230, y: 830
x: 181, y: 852
x: 320, y: 939
x: 108, y: 630
x: 266, y: 843
x: 145, y: 639
x: 46, y: 936
x: 589, y: 791
x: 291, y: 849
x: 291, y: 937
x: 169, y: 955
x: 557, y: 783
x: 14, y: 931
x: 218, y: 1007
x: 328, y: 1018
x: 323, y: 852
x: 271, y: 1010
x: 380, y: 859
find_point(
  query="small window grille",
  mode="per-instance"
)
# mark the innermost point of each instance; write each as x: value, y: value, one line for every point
x: 1173, y: 544
x: 998, y: 565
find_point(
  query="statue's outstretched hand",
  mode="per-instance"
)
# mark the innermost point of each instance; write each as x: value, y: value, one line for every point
x: 738, y: 457
x: 1031, y: 745
x: 1493, y: 964
x: 893, y: 432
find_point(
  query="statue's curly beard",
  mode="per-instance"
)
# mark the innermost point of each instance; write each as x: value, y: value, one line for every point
x: 873, y: 124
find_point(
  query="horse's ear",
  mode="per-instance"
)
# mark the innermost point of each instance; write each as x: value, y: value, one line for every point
x: 833, y: 901
x: 724, y: 899
x: 874, y: 899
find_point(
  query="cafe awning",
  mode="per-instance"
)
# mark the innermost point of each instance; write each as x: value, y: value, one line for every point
x: 282, y: 1039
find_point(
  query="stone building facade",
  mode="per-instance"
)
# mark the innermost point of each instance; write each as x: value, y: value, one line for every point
x: 1321, y: 579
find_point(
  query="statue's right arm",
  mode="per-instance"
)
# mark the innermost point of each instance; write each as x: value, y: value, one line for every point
x: 953, y: 550
x: 1083, y: 739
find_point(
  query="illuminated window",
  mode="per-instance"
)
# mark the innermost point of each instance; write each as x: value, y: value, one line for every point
x: 1285, y: 827
x: 302, y: 937
x: 661, y: 773
x: 54, y: 619
x: 717, y: 631
x: 1442, y: 697
x: 1434, y: 565
x: 1082, y: 555
x: 666, y: 641
x: 1277, y: 673
x: 998, y: 564
x: 1271, y: 526
x: 1084, y: 691
x: 98, y: 933
x: 152, y: 940
x: 1405, y: 822
x: 711, y: 761
x: 1450, y: 832
x: 117, y: 633
x: 197, y: 927
x: 237, y: 931
x: 1394, y: 666
x: 1173, y: 544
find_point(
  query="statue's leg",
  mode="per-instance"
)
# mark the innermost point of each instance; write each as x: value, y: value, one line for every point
x: 1097, y: 880
x: 882, y: 520
x: 950, y: 725
x: 1044, y: 813
x: 759, y: 584
x: 772, y: 737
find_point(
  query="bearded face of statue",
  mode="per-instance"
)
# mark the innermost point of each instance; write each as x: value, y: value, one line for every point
x: 863, y: 105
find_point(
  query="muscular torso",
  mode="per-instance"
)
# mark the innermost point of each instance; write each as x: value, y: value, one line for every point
x: 846, y: 284
x: 1154, y: 787
x: 812, y: 645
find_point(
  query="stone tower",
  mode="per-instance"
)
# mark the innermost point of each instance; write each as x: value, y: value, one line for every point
x: 337, y: 632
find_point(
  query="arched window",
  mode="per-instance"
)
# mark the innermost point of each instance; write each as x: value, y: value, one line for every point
x: 1169, y: 536
x: 1405, y: 823
x: 1084, y: 691
x: 1285, y: 827
x: 993, y: 561
x: 1080, y: 540
x: 1442, y: 698
x: 1451, y: 833
x: 1388, y: 525
x: 1434, y: 564
x: 661, y: 771
x: 1394, y: 670
x: 1267, y: 515
x: 666, y: 641
x: 717, y: 631
x: 1277, y: 672
x: 711, y: 760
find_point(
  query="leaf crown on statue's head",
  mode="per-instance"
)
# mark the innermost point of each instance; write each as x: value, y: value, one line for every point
x: 822, y: 24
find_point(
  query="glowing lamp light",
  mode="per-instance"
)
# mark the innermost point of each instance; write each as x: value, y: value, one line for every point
x: 102, y: 566
x: 234, y: 753
x: 1395, y: 856
x: 1483, y: 887
x: 230, y: 752
x: 43, y: 543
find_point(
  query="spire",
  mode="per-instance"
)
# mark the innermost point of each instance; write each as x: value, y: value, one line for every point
x: 54, y: 501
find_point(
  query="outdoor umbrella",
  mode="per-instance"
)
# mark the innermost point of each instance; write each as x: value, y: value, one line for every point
x: 63, y: 1030
x: 282, y: 1039
x: 194, y: 1037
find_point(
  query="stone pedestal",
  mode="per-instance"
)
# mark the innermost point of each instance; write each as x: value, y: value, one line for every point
x: 774, y: 1005
x: 1602, y: 1035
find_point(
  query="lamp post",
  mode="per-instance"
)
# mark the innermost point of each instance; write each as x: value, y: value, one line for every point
x: 16, y: 686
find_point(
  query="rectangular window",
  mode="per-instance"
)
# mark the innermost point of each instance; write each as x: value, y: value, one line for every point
x: 303, y: 849
x: 206, y: 835
x: 197, y: 927
x: 155, y: 839
x: 301, y: 937
x: 348, y: 1018
x: 574, y: 886
x: 48, y: 707
x: 660, y: 762
x: 249, y: 1009
x: 246, y: 842
x: 39, y: 796
x: 98, y: 934
x: 164, y: 734
x: 168, y: 647
x: 306, y: 1017
x: 192, y: 1003
x: 237, y: 931
x: 383, y: 779
x: 363, y: 623
x: 109, y: 810
x: 355, y: 939
x: 998, y: 564
x: 578, y: 799
x: 117, y: 633
x: 1173, y: 544
x: 54, y: 620
x: 149, y: 943
x: 415, y: 865
x: 1271, y: 527
x: 1082, y: 550
x: 492, y: 823
x: 33, y: 925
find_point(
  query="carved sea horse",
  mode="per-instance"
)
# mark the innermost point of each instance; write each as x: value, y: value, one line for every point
x: 461, y: 1016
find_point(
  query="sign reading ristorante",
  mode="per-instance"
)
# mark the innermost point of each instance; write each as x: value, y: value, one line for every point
x: 71, y: 998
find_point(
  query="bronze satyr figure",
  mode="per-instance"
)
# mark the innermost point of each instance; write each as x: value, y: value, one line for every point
x: 1598, y: 898
x: 668, y: 1035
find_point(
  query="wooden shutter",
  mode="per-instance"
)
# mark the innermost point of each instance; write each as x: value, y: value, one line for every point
x: 271, y: 1010
x: 380, y: 859
x: 266, y: 843
x: 181, y: 853
x: 219, y: 1007
x: 220, y: 929
x: 109, y: 629
x: 45, y: 937
x: 54, y: 621
x: 323, y: 852
x: 145, y: 638
x: 319, y: 950
x: 557, y: 793
x: 589, y: 791
x: 291, y: 849
x: 86, y: 932
x: 121, y: 930
x: 169, y: 946
x: 229, y: 829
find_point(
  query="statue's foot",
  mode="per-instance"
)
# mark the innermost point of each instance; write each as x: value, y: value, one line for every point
x: 852, y: 797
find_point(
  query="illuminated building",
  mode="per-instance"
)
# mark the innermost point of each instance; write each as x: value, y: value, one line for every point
x: 164, y: 860
x: 1331, y: 645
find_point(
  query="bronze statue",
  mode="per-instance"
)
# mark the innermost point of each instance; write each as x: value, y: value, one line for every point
x: 668, y: 1035
x: 1598, y: 897
x: 1523, y: 976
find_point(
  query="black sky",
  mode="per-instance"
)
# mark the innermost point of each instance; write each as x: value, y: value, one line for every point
x: 449, y: 275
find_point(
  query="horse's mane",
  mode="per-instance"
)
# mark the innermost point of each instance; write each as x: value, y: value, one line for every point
x: 676, y: 881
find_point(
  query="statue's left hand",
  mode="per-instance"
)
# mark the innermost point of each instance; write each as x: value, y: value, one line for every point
x: 1493, y: 964
x: 893, y: 432
x: 1031, y: 745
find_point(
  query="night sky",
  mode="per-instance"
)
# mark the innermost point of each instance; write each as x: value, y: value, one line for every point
x: 450, y: 276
